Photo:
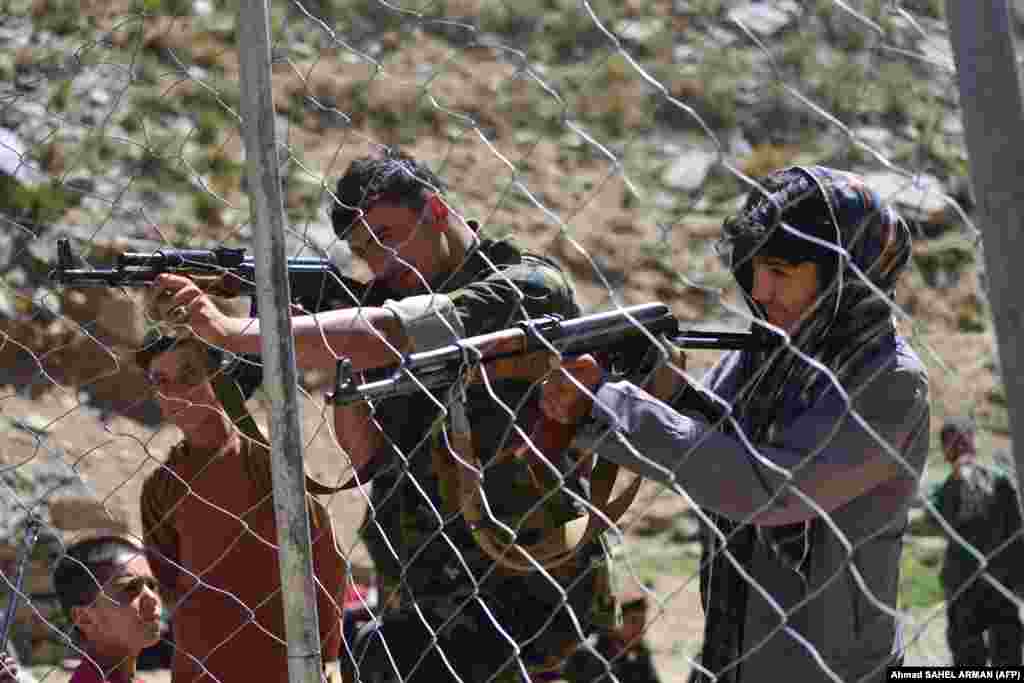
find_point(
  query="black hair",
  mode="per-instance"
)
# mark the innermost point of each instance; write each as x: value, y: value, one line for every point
x: 157, y: 345
x: 393, y: 175
x: 794, y: 198
x: 78, y: 575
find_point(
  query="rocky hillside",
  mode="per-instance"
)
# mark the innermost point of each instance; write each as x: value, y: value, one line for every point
x: 612, y: 135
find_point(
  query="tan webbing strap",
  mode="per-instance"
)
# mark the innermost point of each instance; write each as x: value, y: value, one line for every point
x: 231, y: 397
x: 460, y: 476
x: 561, y: 544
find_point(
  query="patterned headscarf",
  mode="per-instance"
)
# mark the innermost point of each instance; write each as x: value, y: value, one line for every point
x: 861, y: 246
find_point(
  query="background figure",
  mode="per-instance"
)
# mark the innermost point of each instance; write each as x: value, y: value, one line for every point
x: 980, y: 502
x: 629, y: 658
x: 792, y: 444
x: 106, y: 587
x: 451, y: 609
x: 208, y: 521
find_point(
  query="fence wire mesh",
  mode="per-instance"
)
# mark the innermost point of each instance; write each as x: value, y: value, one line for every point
x: 613, y: 138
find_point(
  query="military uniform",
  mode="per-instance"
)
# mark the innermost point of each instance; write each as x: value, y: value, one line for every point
x: 981, y: 505
x: 430, y: 567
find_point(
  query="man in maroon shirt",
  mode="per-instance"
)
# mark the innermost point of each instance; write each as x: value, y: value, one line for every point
x: 109, y: 593
x: 210, y: 532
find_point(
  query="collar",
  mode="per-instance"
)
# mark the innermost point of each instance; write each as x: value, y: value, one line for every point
x: 479, y: 260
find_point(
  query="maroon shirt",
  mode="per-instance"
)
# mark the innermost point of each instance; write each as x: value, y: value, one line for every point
x: 213, y: 536
x: 87, y: 672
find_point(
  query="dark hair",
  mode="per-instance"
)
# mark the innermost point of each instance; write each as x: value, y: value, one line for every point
x: 794, y: 198
x: 80, y: 573
x: 156, y: 346
x: 394, y: 176
x: 957, y: 425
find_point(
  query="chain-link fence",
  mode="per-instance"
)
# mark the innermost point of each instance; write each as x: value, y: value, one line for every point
x: 571, y: 159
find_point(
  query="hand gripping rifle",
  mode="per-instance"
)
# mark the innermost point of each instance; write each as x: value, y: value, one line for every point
x: 32, y: 528
x: 625, y: 342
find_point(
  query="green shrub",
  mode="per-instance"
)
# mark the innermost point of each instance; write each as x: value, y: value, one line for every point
x: 919, y: 583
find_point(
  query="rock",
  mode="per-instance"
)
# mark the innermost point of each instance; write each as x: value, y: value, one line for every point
x: 935, y: 48
x: 919, y: 196
x: 78, y: 514
x: 114, y: 317
x: 640, y: 32
x: 13, y: 158
x: 8, y: 304
x: 689, y: 170
x: 99, y: 97
x: 875, y: 137
x: 764, y: 19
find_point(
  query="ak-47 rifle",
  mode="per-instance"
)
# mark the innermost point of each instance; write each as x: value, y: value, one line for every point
x: 316, y: 284
x: 624, y: 341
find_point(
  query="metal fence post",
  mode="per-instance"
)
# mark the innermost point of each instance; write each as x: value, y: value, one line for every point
x: 993, y: 113
x: 278, y: 347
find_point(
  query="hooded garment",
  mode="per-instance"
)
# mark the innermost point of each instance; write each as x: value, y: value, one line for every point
x: 837, y: 413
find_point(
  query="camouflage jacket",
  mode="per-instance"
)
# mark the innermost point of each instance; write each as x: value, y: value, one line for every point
x: 497, y: 286
x: 981, y: 506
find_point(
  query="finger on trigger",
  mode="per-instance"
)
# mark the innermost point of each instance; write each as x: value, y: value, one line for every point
x: 179, y: 314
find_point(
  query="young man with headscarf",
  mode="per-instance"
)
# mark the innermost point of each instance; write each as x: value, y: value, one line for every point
x: 805, y: 452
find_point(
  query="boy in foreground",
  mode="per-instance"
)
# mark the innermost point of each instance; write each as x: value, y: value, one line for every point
x: 106, y: 587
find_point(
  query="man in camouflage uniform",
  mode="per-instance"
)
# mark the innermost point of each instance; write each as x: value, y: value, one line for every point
x: 486, y: 620
x: 980, y: 503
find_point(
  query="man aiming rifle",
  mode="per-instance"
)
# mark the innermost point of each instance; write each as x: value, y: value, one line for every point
x: 461, y: 524
x: 805, y: 452
x: 453, y: 611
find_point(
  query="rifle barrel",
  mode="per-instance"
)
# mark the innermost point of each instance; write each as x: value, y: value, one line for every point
x: 32, y: 526
x: 724, y: 341
x: 139, y: 269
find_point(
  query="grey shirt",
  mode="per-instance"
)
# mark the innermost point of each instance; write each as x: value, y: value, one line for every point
x: 854, y: 452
